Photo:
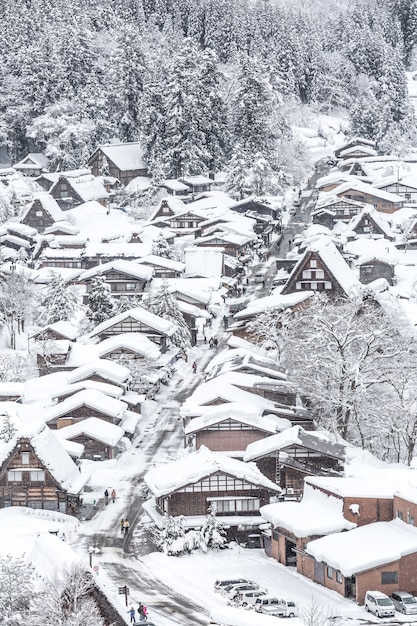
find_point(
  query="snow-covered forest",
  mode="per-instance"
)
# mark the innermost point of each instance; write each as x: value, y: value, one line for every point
x: 202, y: 84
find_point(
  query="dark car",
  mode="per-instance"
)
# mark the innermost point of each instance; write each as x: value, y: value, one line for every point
x: 235, y: 308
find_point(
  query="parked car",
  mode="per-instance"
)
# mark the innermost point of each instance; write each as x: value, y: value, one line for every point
x: 250, y: 597
x: 219, y: 585
x: 235, y: 308
x: 404, y: 602
x: 259, y: 277
x: 276, y: 606
x: 379, y: 604
x: 232, y: 590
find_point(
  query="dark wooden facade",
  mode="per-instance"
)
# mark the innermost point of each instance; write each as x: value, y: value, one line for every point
x: 25, y: 481
x: 132, y: 325
x: 77, y: 415
x: 374, y: 269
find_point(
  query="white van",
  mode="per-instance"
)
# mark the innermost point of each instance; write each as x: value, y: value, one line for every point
x: 276, y: 606
x: 379, y: 604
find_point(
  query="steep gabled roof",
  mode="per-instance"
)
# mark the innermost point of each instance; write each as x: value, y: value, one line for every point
x: 140, y: 315
x: 250, y: 416
x: 130, y: 268
x: 125, y: 156
x: 93, y: 427
x: 49, y: 204
x: 166, y: 479
x: 88, y: 397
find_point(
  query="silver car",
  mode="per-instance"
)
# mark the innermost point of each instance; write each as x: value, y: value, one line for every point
x: 404, y: 602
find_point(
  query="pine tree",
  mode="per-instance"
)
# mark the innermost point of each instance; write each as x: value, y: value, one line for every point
x: 8, y: 429
x: 101, y: 304
x: 16, y: 590
x: 213, y: 533
x: 58, y: 301
x: 238, y: 173
x: 164, y: 304
x: 161, y: 247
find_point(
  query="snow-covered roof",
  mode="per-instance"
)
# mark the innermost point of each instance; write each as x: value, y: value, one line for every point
x: 136, y: 342
x: 316, y: 514
x: 203, y: 261
x: 378, y: 217
x: 92, y: 398
x: 62, y: 225
x: 364, y: 188
x: 68, y: 389
x: 175, y: 185
x: 53, y: 177
x: 131, y: 268
x: 172, y: 476
x: 36, y: 159
x: 93, y: 427
x: 274, y: 301
x: 235, y: 359
x: 346, y: 487
x: 11, y: 389
x: 107, y: 369
x: 66, y: 329
x: 352, y: 149
x: 125, y: 156
x: 296, y: 436
x: 49, y: 204
x: 366, y: 547
x: 139, y: 183
x: 252, y: 416
x: 192, y: 181
x: 117, y: 250
x: 160, y: 261
x: 140, y: 315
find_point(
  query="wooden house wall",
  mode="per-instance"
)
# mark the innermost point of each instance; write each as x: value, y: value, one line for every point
x: 39, y: 494
x: 223, y: 440
x: 188, y: 503
x: 94, y: 448
x: 308, y: 278
x: 77, y: 415
x: 373, y: 270
x: 37, y: 217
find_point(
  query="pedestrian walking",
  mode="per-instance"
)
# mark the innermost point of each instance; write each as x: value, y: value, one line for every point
x: 106, y: 496
x: 122, y: 523
x: 131, y: 612
x: 194, y: 367
x: 215, y: 342
x: 143, y: 612
x: 126, y: 526
x: 113, y: 495
x: 211, y: 342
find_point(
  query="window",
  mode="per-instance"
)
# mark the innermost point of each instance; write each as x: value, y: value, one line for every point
x: 130, y: 286
x: 410, y: 518
x: 25, y: 458
x: 37, y: 476
x: 329, y: 572
x: 38, y: 213
x: 339, y: 577
x: 313, y: 264
x: 14, y: 476
x: 400, y: 515
x: 388, y: 578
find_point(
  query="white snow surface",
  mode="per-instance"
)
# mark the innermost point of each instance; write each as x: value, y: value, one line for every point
x: 316, y: 514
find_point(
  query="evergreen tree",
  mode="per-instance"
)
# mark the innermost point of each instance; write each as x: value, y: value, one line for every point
x: 237, y: 173
x: 213, y: 533
x: 161, y: 247
x: 58, y: 302
x: 165, y: 305
x: 8, y: 429
x: 101, y: 304
x: 16, y: 590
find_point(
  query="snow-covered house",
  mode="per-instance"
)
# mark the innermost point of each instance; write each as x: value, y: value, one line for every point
x: 198, y: 183
x: 42, y: 212
x: 47, y: 179
x: 233, y: 244
x: 56, y: 331
x: 98, y: 437
x: 214, y: 393
x: 373, y: 268
x: 82, y: 405
x: 125, y: 278
x: 248, y: 360
x: 175, y: 187
x: 100, y: 370
x: 322, y: 268
x: 96, y: 253
x: 355, y: 142
x: 363, y: 192
x: 381, y: 556
x: 32, y: 164
x: 137, y: 320
x: 231, y: 427
x: 293, y: 524
x: 194, y: 483
x: 163, y: 267
x: 371, y: 223
x: 331, y: 209
x: 123, y: 161
x: 73, y: 191
x: 35, y: 470
x: 403, y: 186
x: 290, y: 456
x: 255, y: 206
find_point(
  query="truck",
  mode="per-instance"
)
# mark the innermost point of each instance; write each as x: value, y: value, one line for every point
x: 276, y: 606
